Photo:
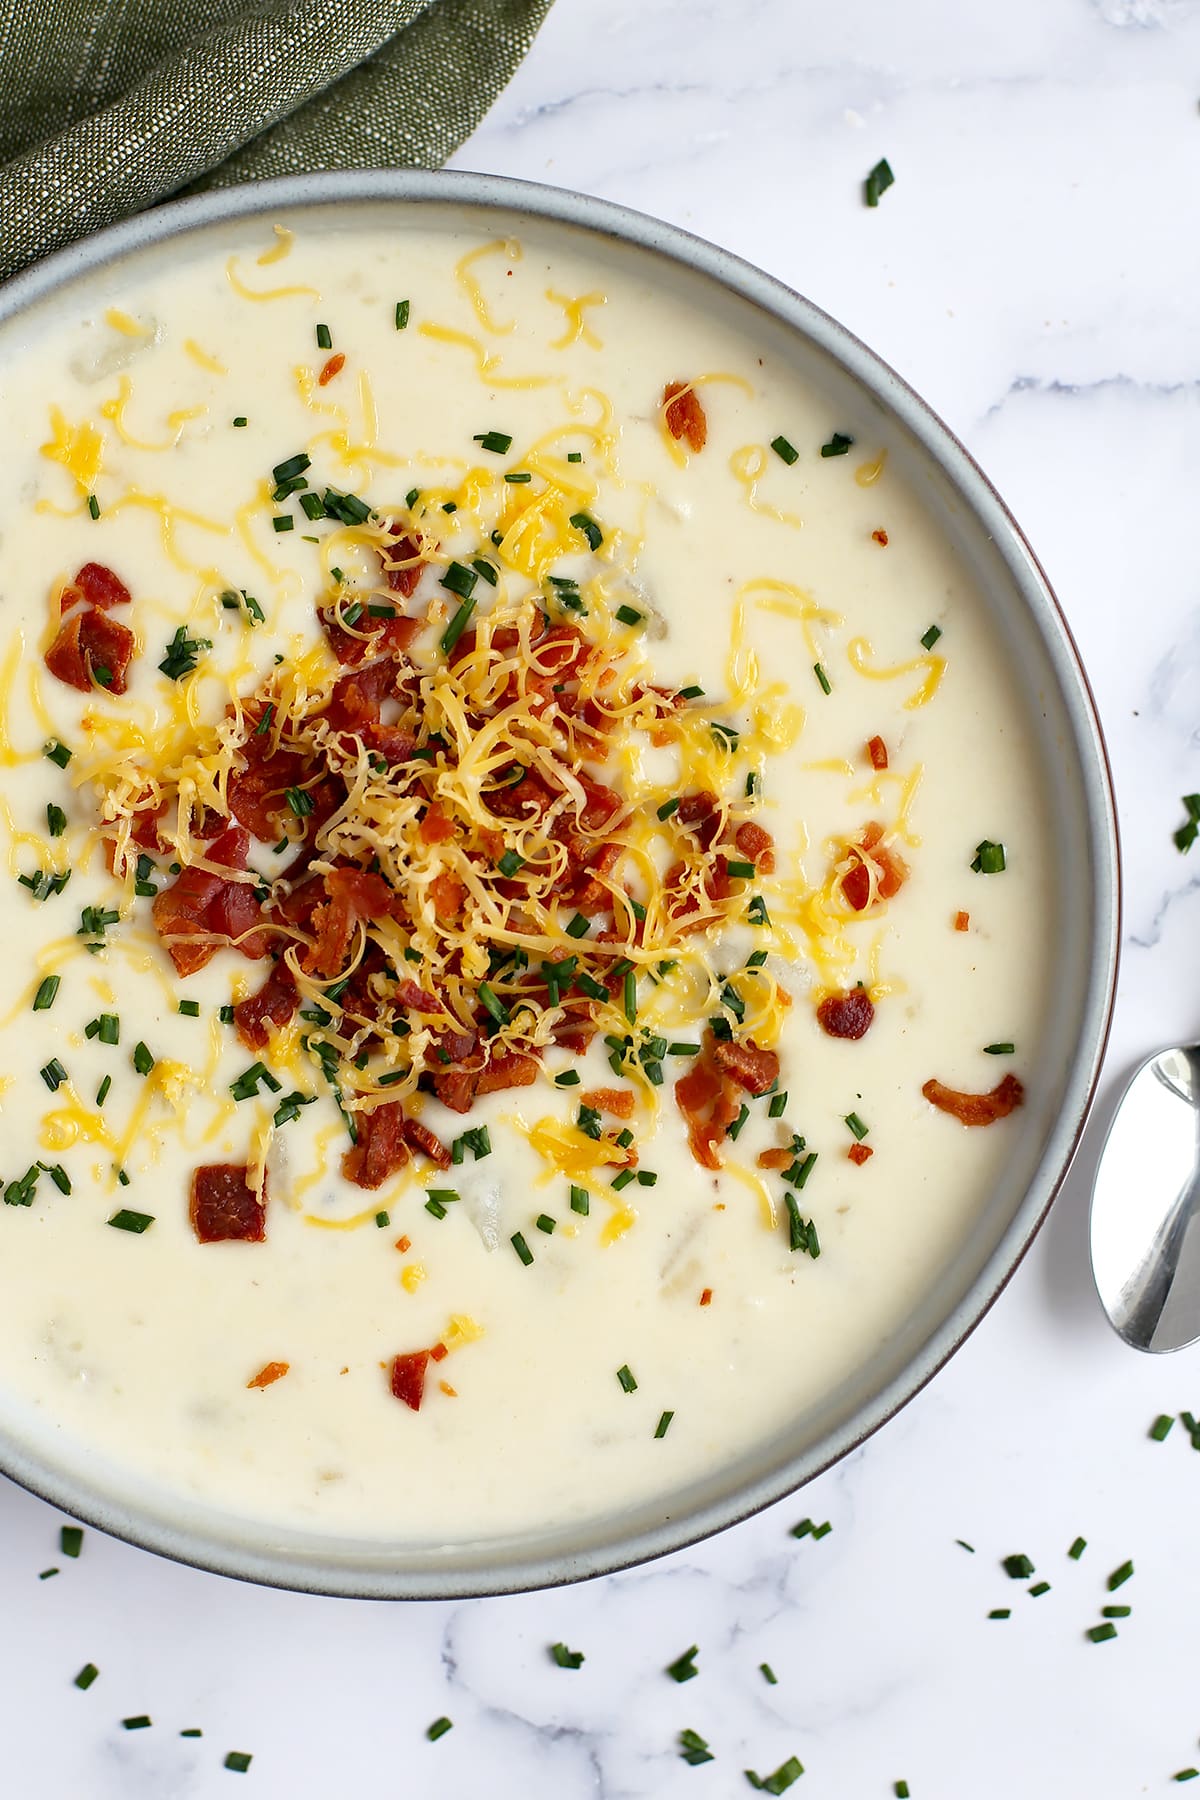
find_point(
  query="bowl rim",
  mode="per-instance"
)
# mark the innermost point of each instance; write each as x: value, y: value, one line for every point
x: 343, y: 1577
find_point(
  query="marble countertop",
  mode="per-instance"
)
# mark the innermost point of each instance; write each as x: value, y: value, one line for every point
x: 1034, y: 274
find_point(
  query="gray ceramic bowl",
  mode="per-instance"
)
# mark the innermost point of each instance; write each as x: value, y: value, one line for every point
x: 1062, y: 718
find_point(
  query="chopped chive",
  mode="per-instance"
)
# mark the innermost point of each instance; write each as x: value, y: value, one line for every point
x: 483, y: 567
x: 53, y: 1074
x: 838, y: 445
x: 668, y: 807
x: 517, y: 476
x: 664, y: 1424
x: 522, y: 1248
x: 989, y: 858
x: 1039, y: 1588
x: 768, y: 1674
x: 787, y: 453
x: 58, y: 1176
x: 856, y: 1126
x: 626, y: 1378
x: 457, y: 626
x: 684, y: 1667
x: 574, y: 456
x: 324, y: 338
x: 963, y: 1545
x: 1115, y: 1612
x: 621, y: 1182
x: 545, y: 1223
x: 1077, y: 1549
x: 510, y: 862
x: 781, y: 1780
x: 492, y: 1004
x: 401, y: 315
x: 584, y: 522
x: 438, y: 1729
x: 900, y: 1790
x: 57, y: 753
x: 930, y: 637
x: 183, y: 653
x: 1018, y: 1567
x: 579, y: 926
x: 237, y: 1760
x: 878, y: 181
x: 999, y: 1049
x: 694, y: 1749
x: 1185, y: 1774
x: 102, y: 1090
x: 45, y: 1574
x: 1119, y: 1576
x: 56, y: 820
x: 136, y: 1222
x: 580, y: 1201
x: 683, y: 1049
x: 1161, y: 1426
x: 757, y: 912
x: 734, y: 1130
x: 1100, y: 1634
x: 778, y: 1103
x: 87, y: 1674
x: 143, y: 1059
x: 823, y: 678
x: 137, y: 1722
x: 93, y: 506
x: 690, y: 693
x: 70, y: 1540
x: 629, y: 615
x: 630, y: 996
x: 1000, y: 1612
x: 189, y: 1008
x: 499, y: 443
x: 460, y: 580
x: 240, y: 421
x: 43, y: 1000
x: 566, y: 1659
x: 741, y: 871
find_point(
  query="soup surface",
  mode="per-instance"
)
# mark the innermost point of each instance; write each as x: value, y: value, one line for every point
x: 509, y: 813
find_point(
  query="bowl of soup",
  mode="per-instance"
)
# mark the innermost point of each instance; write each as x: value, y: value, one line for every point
x: 561, y: 886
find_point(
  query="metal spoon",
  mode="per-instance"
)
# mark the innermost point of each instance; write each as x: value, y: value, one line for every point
x: 1146, y: 1206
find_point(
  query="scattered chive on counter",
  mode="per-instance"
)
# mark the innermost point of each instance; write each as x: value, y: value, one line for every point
x: 779, y: 1782
x: 239, y: 1760
x: 1161, y: 1427
x: 86, y: 1675
x: 70, y: 1540
x: 878, y: 181
x: 439, y: 1728
x: 684, y: 1667
x: 694, y: 1749
x: 566, y: 1659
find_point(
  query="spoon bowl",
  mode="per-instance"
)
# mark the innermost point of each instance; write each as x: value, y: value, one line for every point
x: 1145, y: 1222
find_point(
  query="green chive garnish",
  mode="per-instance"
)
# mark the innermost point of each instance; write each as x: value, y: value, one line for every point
x: 999, y: 1049
x: 1039, y: 1588
x: 626, y: 1378
x: 517, y: 476
x: 53, y: 1074
x: 629, y: 615
x: 138, y: 1722
x: 57, y: 753
x: 1120, y: 1576
x: 781, y: 1780
x: 579, y: 927
x: 56, y: 820
x: 401, y: 315
x: 580, y: 1201
x: 1100, y: 1634
x: 70, y: 1540
x: 545, y: 1223
x: 1077, y: 1549
x: 584, y: 522
x: 86, y: 1675
x: 787, y: 452
x: 237, y: 1760
x: 838, y: 444
x: 324, y: 338
x: 1000, y: 1612
x: 855, y: 1125
x: 498, y: 442
x: 694, y: 1749
x: 1161, y: 1426
x: 189, y: 1008
x: 664, y: 1424
x: 741, y: 871
x: 1115, y: 1612
x: 93, y: 506
x: 143, y: 1059
x: 823, y: 678
x: 684, y: 1667
x: 522, y: 1248
x: 137, y: 1222
x: 878, y: 181
x: 240, y: 420
x: 768, y: 1674
x: 989, y: 858
x: 566, y: 1659
x: 930, y: 637
x: 1017, y: 1568
x: 43, y: 1000
x: 439, y: 1728
x: 457, y: 626
x: 102, y: 1090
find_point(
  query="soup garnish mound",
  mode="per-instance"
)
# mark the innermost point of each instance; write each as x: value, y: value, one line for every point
x: 461, y: 734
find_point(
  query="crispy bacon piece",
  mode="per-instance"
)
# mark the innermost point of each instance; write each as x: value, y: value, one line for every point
x: 439, y: 1353
x: 354, y: 897
x: 962, y: 921
x: 437, y: 827
x: 447, y: 893
x: 199, y: 904
x: 877, y: 753
x: 357, y: 698
x: 757, y: 846
x: 333, y: 367
x: 708, y: 1101
x: 401, y: 564
x: 526, y: 798
x: 269, y: 1374
x: 617, y: 1101
x: 976, y: 1109
x: 458, y: 1088
x: 87, y: 642
x: 846, y: 1015
x: 408, y: 1377
x: 776, y: 1159
x: 371, y: 636
x: 684, y: 414
x: 860, y: 1153
x: 881, y: 537
x: 275, y: 1003
x: 701, y: 813
x: 893, y: 870
x: 100, y: 587
x: 419, y: 1137
x: 589, y: 894
x: 225, y: 1206
x: 257, y: 793
x: 752, y: 1068
x: 381, y: 1149
x: 706, y: 1296
x: 391, y: 742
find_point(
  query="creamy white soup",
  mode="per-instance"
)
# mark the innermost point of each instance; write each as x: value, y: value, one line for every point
x: 524, y: 888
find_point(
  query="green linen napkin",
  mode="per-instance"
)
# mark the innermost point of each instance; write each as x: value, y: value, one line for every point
x: 107, y: 106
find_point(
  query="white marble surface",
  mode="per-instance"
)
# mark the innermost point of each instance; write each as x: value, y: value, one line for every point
x: 1034, y: 272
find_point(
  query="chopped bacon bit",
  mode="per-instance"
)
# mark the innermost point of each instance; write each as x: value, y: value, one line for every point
x: 448, y: 894
x: 684, y: 414
x: 848, y: 1015
x: 892, y: 870
x: 381, y: 1148
x: 776, y: 1159
x: 450, y: 1392
x: 877, y: 752
x: 402, y: 563
x: 226, y: 1206
x: 976, y: 1109
x: 100, y: 587
x: 752, y: 1068
x: 757, y: 845
x: 402, y: 1244
x: 200, y: 905
x: 707, y: 1098
x: 706, y: 1297
x: 860, y: 1153
x: 370, y: 638
x: 408, y: 1377
x: 269, y: 1373
x: 856, y: 886
x: 439, y: 1353
x: 419, y: 1137
x: 701, y: 813
x: 881, y: 537
x: 333, y: 367
x: 617, y: 1101
x: 355, y: 896
x: 962, y: 921
x: 507, y: 1069
x: 88, y: 641
x: 437, y: 826
x: 275, y: 1003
